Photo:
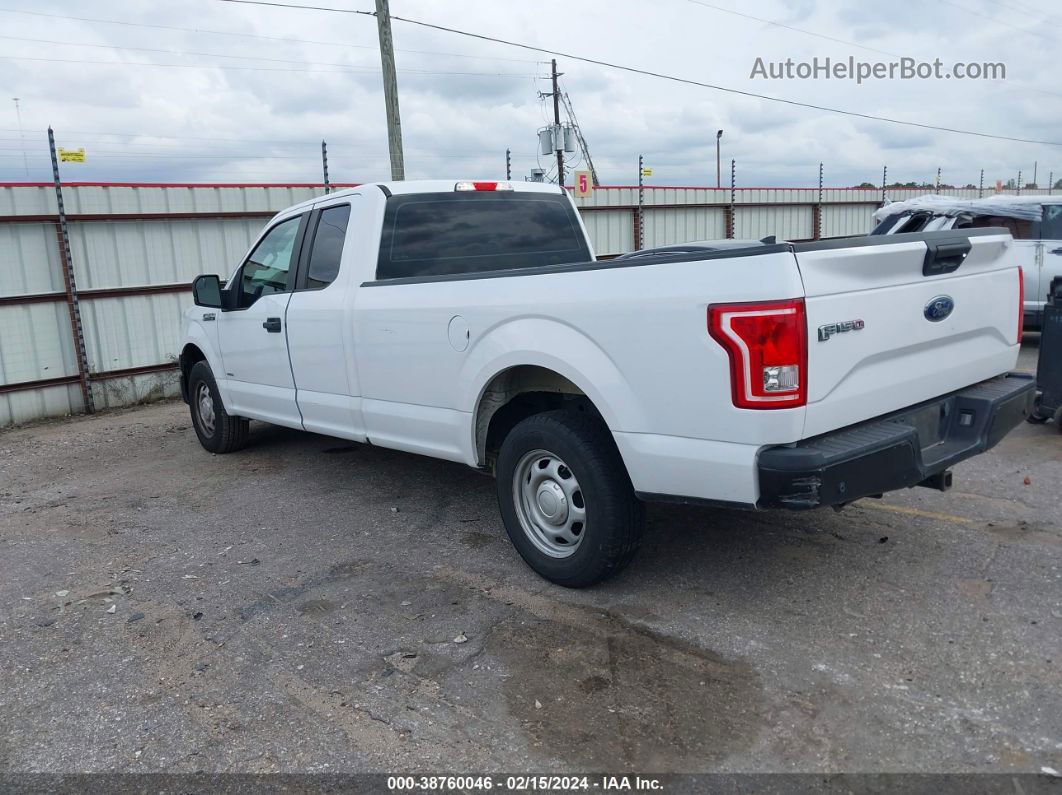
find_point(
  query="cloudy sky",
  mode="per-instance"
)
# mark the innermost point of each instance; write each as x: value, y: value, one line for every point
x: 204, y: 90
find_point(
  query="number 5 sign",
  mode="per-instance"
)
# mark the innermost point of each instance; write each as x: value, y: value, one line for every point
x: 583, y: 186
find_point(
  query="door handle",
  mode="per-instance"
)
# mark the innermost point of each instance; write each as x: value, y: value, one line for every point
x: 1055, y: 251
x: 272, y: 324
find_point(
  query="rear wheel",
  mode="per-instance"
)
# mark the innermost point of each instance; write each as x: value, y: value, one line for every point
x: 566, y: 500
x: 218, y: 431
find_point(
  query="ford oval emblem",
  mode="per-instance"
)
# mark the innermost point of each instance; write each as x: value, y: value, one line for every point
x: 938, y: 308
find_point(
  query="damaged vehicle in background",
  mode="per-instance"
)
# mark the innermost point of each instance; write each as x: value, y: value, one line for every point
x: 1035, y: 223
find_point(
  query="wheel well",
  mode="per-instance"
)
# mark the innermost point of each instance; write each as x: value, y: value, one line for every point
x: 514, y: 395
x: 190, y: 355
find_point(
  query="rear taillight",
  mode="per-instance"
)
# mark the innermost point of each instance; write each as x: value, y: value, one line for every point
x: 768, y: 348
x: 1021, y: 303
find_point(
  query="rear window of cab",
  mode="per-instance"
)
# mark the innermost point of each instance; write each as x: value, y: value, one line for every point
x: 438, y: 234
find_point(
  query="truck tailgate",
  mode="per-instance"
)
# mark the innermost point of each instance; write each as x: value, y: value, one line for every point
x: 896, y: 320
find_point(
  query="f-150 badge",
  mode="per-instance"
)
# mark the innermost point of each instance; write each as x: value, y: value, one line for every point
x: 827, y: 331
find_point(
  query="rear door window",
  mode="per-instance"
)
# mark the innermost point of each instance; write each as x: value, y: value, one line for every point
x: 1052, y: 222
x: 436, y: 234
x: 327, y: 249
x: 1019, y: 228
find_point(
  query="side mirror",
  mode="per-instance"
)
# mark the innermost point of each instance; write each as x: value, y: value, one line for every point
x: 206, y: 291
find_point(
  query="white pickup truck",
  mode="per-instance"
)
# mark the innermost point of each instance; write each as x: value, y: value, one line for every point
x: 470, y: 321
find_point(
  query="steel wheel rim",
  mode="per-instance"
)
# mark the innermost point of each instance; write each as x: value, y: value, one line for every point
x: 204, y: 408
x: 549, y: 503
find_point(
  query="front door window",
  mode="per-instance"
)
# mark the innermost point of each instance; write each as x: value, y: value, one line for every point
x: 268, y: 268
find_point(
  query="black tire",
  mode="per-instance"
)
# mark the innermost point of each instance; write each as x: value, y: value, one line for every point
x: 225, y: 433
x: 614, y: 517
x: 1035, y: 417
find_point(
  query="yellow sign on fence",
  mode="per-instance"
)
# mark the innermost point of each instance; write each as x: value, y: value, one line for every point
x: 584, y: 186
x: 647, y: 172
x: 72, y: 155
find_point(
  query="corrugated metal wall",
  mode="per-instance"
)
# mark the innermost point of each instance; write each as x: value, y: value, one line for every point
x: 136, y: 248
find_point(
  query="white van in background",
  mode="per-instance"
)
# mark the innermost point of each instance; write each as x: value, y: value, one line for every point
x: 1035, y: 222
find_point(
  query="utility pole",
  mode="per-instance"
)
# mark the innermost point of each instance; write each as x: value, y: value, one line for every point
x: 558, y: 144
x: 390, y: 84
x: 22, y: 138
x: 1019, y: 183
x: 718, y: 173
x: 508, y: 165
x: 72, y: 303
x: 1035, y: 164
x: 324, y: 166
x: 936, y: 188
x: 981, y: 185
x: 884, y: 179
x: 579, y: 136
x: 1050, y: 183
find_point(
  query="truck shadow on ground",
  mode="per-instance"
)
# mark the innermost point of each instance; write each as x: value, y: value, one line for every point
x: 436, y: 501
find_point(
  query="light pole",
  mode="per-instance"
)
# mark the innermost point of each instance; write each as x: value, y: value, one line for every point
x: 718, y: 175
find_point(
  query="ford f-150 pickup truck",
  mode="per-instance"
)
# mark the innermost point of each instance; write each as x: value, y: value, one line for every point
x: 470, y: 321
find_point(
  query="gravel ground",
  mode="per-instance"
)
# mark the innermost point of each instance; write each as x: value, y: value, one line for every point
x: 311, y: 605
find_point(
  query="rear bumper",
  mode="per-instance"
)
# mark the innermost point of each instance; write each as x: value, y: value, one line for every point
x: 897, y: 451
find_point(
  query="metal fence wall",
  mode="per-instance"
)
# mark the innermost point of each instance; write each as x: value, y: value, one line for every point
x: 135, y: 249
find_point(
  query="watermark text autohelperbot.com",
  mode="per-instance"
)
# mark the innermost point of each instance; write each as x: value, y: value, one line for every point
x: 863, y: 71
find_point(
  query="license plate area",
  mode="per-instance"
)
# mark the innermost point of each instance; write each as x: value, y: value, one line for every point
x: 931, y: 422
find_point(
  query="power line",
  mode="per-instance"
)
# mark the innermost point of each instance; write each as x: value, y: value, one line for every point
x: 303, y: 7
x: 282, y: 39
x: 241, y: 141
x: 181, y: 52
x: 1024, y: 8
x: 790, y: 27
x: 1010, y: 84
x: 366, y: 70
x: 998, y: 21
x: 659, y: 75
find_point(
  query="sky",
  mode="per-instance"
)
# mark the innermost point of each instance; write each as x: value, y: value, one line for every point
x: 211, y: 91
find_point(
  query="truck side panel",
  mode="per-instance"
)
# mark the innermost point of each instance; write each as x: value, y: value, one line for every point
x: 633, y: 337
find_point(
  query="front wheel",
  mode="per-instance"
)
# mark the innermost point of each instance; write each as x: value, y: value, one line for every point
x: 218, y: 431
x: 566, y: 499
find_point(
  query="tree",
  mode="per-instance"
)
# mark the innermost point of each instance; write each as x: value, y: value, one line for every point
x: 1058, y: 184
x: 872, y: 185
